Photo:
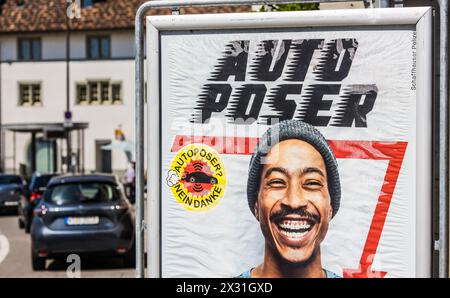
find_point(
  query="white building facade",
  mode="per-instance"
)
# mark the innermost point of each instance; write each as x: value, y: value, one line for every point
x: 91, y: 99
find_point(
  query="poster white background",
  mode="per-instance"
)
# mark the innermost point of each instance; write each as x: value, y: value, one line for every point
x: 226, y: 240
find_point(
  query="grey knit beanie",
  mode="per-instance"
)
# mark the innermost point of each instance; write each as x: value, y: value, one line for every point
x: 293, y: 129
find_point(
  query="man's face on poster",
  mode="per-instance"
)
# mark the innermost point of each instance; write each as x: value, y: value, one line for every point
x: 293, y: 205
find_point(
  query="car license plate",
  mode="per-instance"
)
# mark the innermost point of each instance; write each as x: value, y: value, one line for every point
x: 11, y: 203
x: 81, y: 221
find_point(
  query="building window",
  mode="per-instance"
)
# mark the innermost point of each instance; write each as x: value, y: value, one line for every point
x: 29, y: 49
x: 81, y: 93
x: 104, y: 92
x: 116, y: 90
x: 93, y: 92
x: 99, y: 93
x: 98, y: 47
x: 30, y: 94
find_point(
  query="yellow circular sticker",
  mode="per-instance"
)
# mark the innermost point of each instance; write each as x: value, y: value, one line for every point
x: 197, y: 177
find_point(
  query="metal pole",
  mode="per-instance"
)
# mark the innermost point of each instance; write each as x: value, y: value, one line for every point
x: 33, y: 152
x: 61, y: 154
x: 78, y: 150
x: 139, y: 147
x: 82, y: 151
x: 69, y: 140
x: 2, y: 153
x: 47, y: 144
x: 68, y: 150
x: 154, y: 192
x: 55, y: 155
x: 443, y: 142
x: 14, y: 151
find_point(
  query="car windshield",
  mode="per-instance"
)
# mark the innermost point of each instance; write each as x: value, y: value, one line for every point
x: 73, y: 193
x: 10, y: 179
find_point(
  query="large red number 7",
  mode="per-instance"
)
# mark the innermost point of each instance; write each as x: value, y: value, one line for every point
x: 394, y: 152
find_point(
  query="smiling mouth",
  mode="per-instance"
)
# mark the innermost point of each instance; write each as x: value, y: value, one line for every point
x: 295, y: 228
x: 295, y: 231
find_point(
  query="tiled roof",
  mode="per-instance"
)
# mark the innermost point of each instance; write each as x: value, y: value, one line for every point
x: 50, y: 15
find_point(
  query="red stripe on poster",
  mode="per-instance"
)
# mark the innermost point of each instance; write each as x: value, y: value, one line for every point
x: 223, y: 145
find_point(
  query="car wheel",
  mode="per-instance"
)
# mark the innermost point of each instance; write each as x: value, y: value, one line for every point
x: 28, y: 221
x: 192, y: 180
x: 129, y: 260
x: 37, y: 262
x: 21, y: 223
x: 213, y: 181
x: 28, y: 227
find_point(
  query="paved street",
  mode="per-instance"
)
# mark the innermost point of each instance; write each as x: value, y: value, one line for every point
x: 15, y: 258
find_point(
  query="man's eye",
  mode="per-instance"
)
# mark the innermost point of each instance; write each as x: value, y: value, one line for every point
x: 276, y: 183
x: 313, y: 184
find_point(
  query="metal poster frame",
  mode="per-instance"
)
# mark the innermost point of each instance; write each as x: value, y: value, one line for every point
x: 421, y: 18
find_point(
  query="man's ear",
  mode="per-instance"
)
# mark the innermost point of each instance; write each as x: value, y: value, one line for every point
x: 330, y: 213
x: 256, y: 209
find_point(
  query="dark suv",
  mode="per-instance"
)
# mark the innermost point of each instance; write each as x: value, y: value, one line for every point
x: 82, y: 214
x: 36, y: 189
x: 12, y: 191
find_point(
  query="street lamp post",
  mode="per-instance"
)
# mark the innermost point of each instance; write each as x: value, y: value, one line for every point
x: 68, y: 114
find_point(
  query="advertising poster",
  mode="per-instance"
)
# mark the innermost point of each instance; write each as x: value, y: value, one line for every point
x: 291, y: 151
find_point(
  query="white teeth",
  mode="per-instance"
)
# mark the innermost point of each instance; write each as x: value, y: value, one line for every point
x: 293, y: 235
x: 295, y: 225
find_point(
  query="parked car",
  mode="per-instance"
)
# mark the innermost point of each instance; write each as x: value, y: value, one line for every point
x: 82, y: 214
x: 37, y: 186
x: 12, y: 190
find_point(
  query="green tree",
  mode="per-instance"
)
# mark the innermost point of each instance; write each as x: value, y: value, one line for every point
x: 292, y: 7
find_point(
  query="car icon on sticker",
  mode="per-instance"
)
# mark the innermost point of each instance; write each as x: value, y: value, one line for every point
x: 200, y: 177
